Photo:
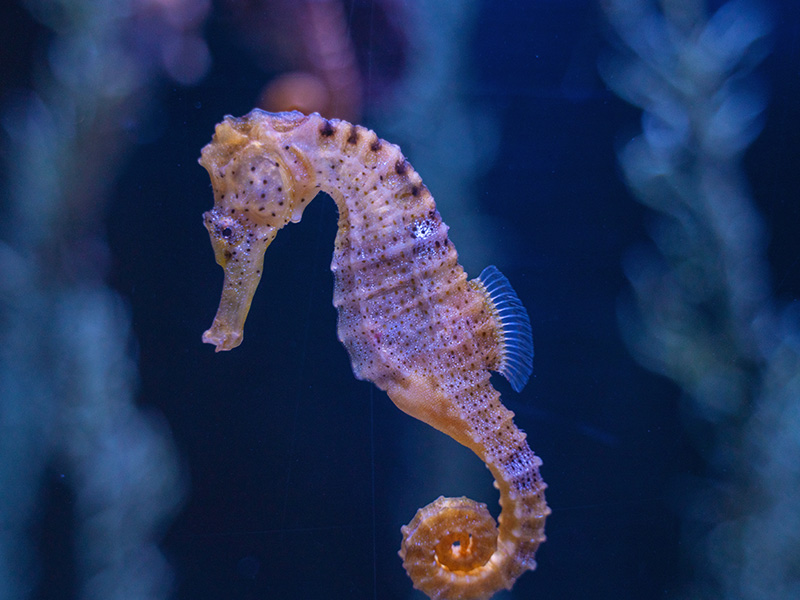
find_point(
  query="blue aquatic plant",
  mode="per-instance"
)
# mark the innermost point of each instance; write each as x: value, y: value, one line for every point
x: 703, y: 313
x: 68, y: 375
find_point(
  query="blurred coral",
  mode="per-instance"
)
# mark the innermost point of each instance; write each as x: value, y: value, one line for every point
x: 67, y: 372
x: 704, y: 314
x: 309, y: 44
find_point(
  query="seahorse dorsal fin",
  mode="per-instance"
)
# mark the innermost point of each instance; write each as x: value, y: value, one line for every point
x: 514, y: 327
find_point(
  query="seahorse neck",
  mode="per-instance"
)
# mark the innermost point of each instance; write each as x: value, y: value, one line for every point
x: 366, y: 176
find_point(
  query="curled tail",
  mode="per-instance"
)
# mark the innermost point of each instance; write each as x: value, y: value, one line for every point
x: 452, y: 548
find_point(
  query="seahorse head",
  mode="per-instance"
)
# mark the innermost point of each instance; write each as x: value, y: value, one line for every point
x: 255, y: 195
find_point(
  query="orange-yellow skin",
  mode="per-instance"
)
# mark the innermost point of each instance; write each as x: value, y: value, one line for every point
x: 411, y: 322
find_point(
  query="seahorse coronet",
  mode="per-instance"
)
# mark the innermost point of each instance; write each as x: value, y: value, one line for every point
x: 410, y: 320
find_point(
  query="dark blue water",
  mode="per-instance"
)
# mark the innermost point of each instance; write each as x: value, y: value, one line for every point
x: 299, y: 476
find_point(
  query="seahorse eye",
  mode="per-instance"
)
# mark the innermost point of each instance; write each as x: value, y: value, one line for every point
x: 224, y: 228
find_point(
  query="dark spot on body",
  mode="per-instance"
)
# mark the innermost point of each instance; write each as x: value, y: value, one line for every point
x: 415, y: 190
x: 401, y: 166
x: 327, y: 129
x: 376, y: 145
x: 353, y: 137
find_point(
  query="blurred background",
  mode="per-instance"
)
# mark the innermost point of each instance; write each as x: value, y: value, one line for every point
x: 631, y: 166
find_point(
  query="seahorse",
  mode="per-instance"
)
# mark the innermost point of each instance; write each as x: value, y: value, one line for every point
x: 410, y: 320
